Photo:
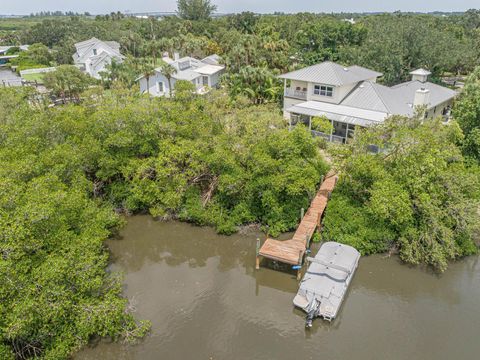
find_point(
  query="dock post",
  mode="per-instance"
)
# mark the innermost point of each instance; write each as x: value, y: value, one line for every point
x: 319, y: 223
x: 257, y: 257
x: 299, y: 271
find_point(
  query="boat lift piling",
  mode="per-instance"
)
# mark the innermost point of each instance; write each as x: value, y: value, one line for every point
x: 257, y: 258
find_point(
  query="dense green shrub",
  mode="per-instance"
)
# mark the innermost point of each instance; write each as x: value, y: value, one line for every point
x: 64, y: 169
x: 37, y: 56
x: 467, y: 112
x: 416, y: 195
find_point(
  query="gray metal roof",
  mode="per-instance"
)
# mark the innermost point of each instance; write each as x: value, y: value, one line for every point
x: 438, y: 93
x: 332, y: 74
x: 394, y: 100
x: 188, y: 75
x: 212, y: 60
x: 372, y: 96
x: 421, y: 72
x: 342, y: 113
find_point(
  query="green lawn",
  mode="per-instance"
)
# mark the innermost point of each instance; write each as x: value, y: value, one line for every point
x: 34, y: 77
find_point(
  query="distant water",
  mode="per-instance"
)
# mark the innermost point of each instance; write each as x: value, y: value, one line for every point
x: 206, y: 301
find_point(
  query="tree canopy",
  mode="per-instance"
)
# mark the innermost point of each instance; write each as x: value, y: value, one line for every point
x: 393, y: 44
x: 467, y: 112
x: 416, y: 195
x: 67, y: 81
x: 195, y: 9
x: 64, y: 170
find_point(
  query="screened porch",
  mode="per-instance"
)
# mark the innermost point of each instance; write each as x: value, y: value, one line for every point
x: 340, y: 132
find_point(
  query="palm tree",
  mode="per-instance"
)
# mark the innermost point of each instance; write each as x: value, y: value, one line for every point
x: 168, y: 71
x: 167, y: 44
x: 148, y: 70
x: 151, y: 48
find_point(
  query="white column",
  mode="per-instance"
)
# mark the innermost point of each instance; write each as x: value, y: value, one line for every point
x: 346, y: 135
x: 331, y: 132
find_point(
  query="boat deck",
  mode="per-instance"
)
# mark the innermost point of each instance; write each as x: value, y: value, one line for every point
x: 292, y: 251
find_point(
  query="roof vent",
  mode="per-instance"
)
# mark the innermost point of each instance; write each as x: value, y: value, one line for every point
x: 420, y: 75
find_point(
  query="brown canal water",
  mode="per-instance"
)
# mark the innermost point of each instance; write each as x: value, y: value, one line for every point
x: 206, y: 301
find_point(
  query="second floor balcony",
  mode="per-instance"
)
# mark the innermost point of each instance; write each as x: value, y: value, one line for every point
x: 296, y: 92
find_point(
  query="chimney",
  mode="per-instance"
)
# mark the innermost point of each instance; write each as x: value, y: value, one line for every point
x: 176, y: 56
x: 422, y: 97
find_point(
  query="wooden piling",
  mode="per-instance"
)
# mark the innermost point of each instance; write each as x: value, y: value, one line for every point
x: 257, y: 257
x: 299, y: 271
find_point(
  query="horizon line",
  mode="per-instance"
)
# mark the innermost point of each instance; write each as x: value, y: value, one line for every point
x: 131, y: 13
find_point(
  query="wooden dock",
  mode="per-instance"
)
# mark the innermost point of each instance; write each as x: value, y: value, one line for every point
x: 292, y: 251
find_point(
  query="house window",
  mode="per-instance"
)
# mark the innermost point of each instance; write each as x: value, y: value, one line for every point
x: 160, y: 87
x: 205, y: 80
x: 94, y: 52
x: 323, y: 90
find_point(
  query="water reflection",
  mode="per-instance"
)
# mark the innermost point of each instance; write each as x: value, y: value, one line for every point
x: 205, y: 300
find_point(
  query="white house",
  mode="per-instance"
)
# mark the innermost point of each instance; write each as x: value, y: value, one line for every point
x: 4, y: 49
x: 350, y: 97
x: 94, y: 55
x: 204, y: 74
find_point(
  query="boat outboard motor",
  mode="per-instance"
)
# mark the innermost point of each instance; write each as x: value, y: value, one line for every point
x: 309, y: 319
x: 312, y: 312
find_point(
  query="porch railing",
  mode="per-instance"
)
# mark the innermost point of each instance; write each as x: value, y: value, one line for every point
x: 299, y: 94
x: 328, y: 137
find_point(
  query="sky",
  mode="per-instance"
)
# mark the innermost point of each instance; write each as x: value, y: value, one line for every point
x: 229, y: 6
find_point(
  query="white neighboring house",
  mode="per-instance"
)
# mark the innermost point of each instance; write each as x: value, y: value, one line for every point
x: 94, y: 55
x: 204, y: 74
x: 350, y: 97
x: 4, y: 49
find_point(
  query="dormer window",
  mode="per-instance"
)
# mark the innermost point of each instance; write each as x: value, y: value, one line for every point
x: 323, y: 90
x: 184, y: 65
x: 94, y: 52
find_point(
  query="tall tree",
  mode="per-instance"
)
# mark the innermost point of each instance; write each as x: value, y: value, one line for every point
x: 168, y: 71
x: 148, y: 70
x: 152, y: 48
x: 67, y: 81
x: 195, y: 9
x: 467, y: 112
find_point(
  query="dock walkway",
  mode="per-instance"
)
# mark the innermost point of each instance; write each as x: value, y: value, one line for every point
x: 292, y: 251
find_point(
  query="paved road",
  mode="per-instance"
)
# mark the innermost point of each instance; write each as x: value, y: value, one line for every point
x: 9, y: 78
